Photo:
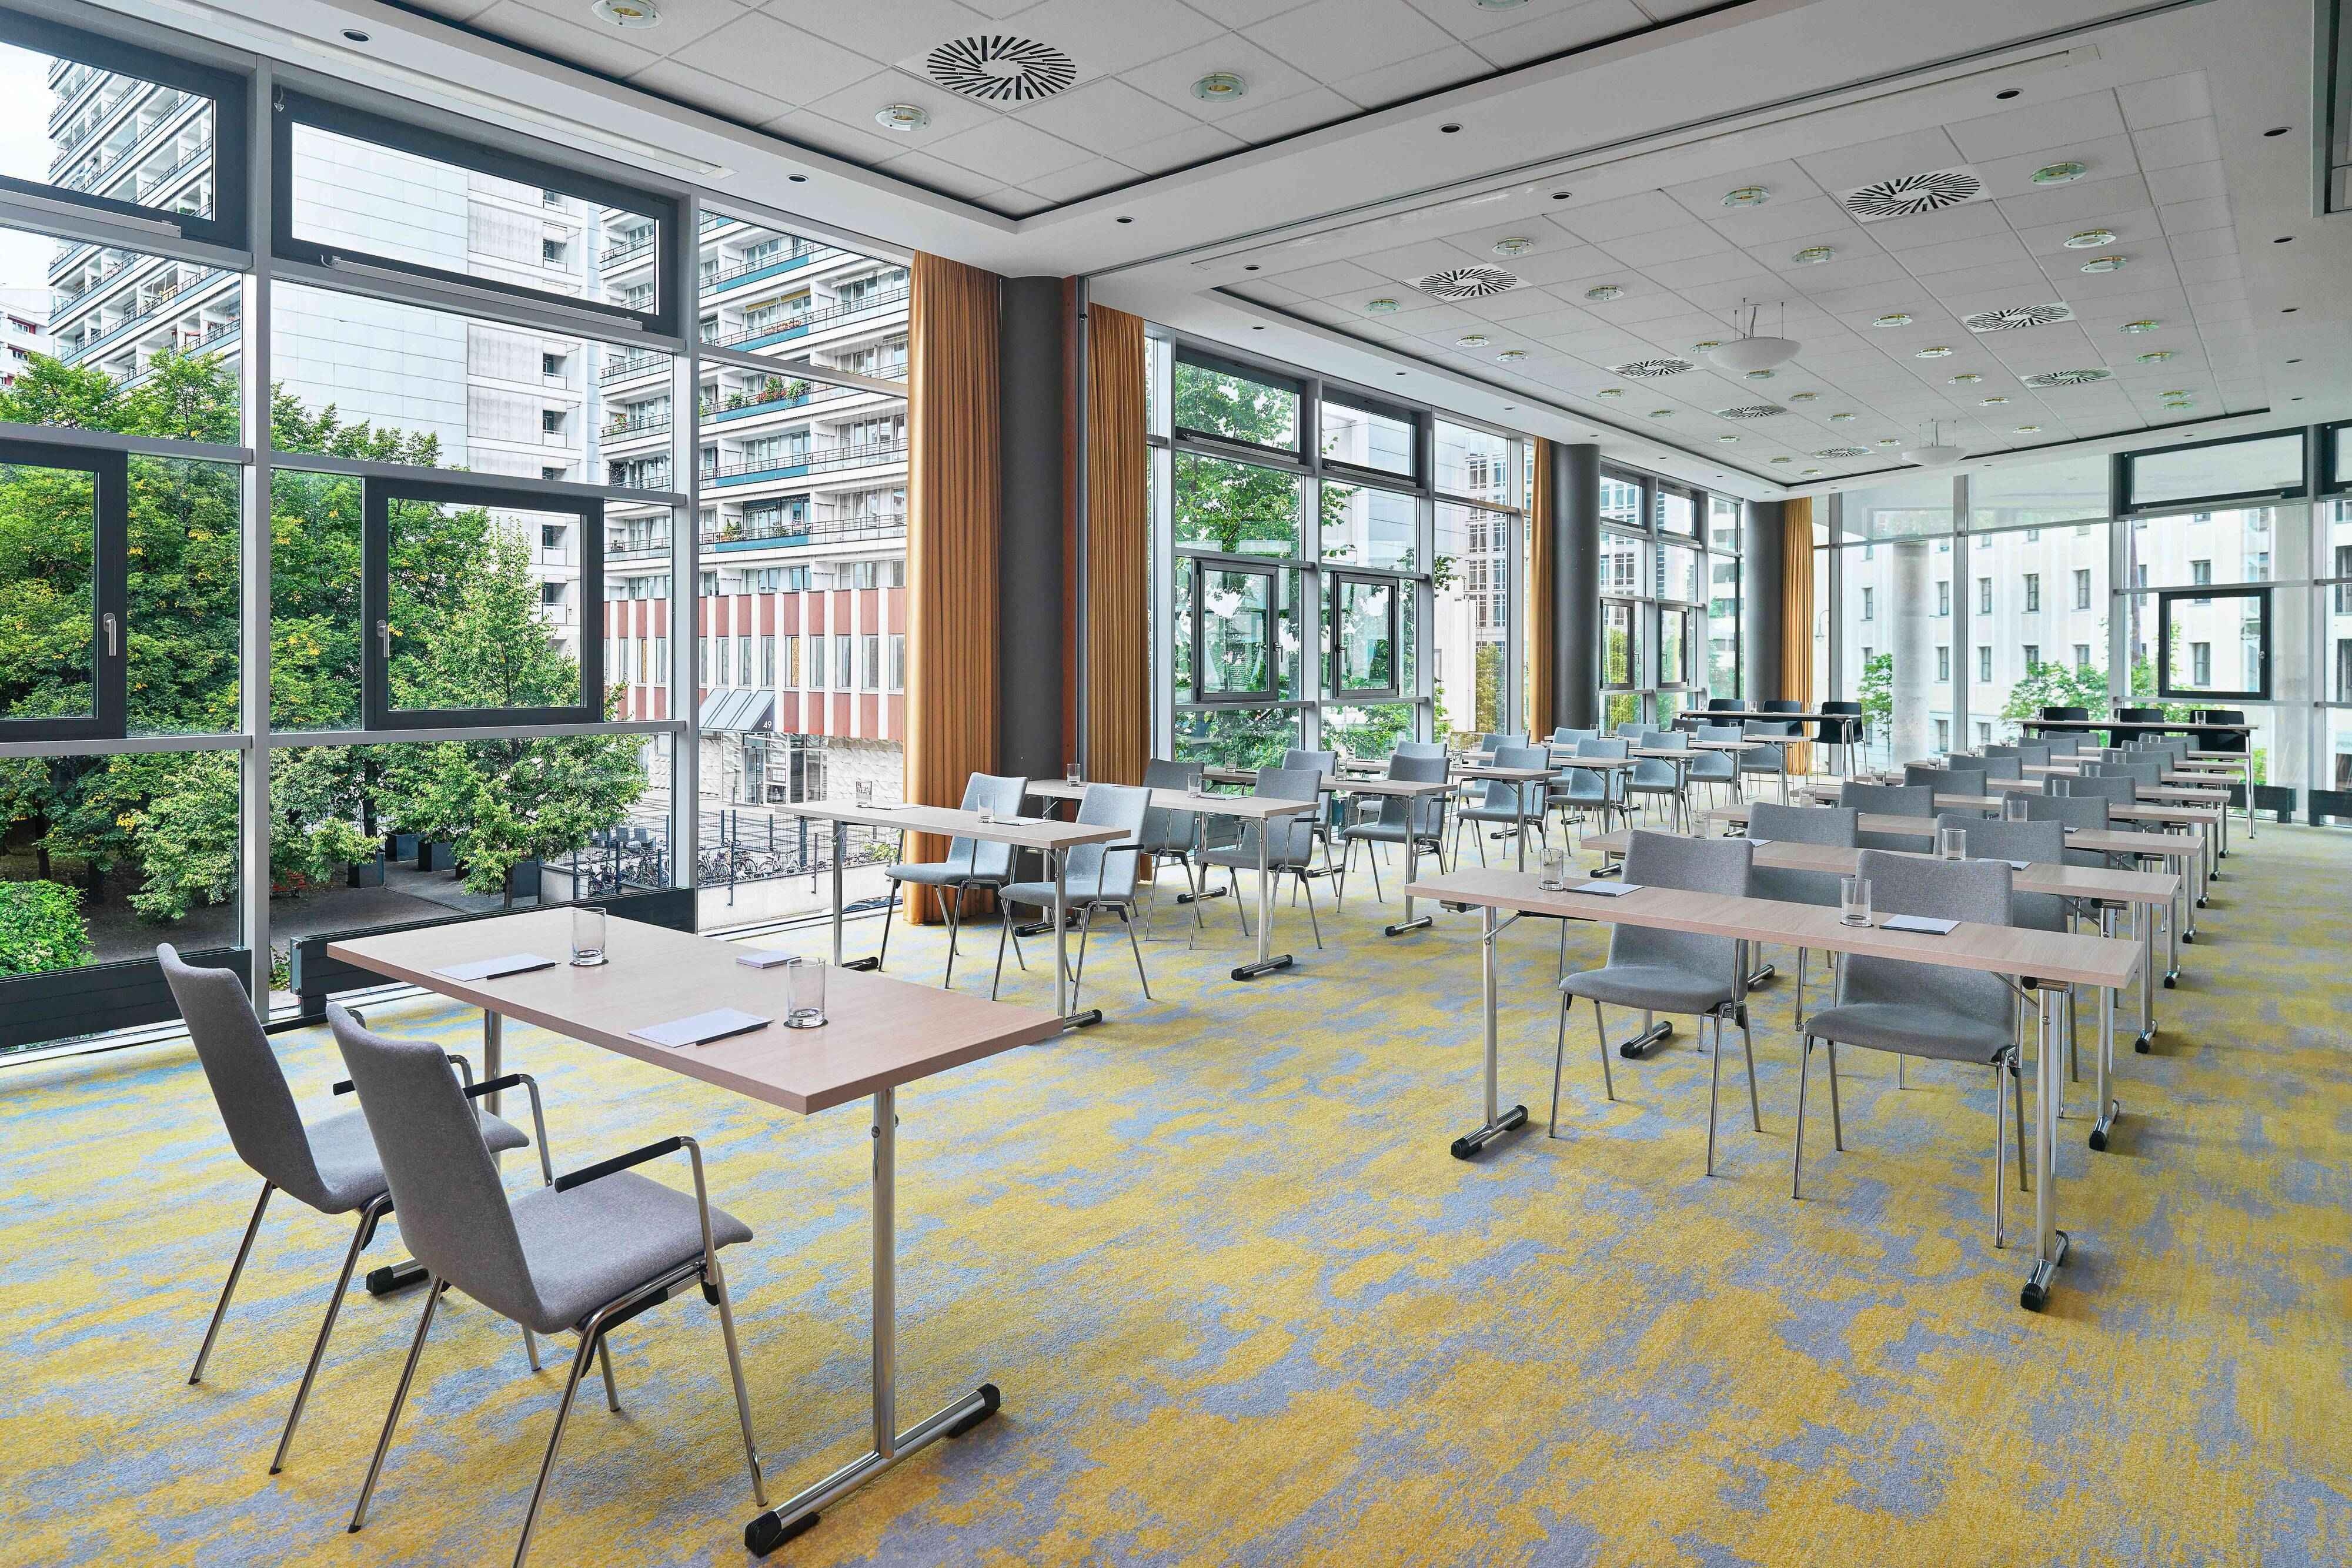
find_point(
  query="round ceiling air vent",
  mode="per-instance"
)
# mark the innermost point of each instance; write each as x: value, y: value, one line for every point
x: 1908, y: 195
x: 1843, y: 452
x: 2012, y: 317
x: 1750, y: 410
x: 2068, y: 377
x: 1651, y: 369
x: 1001, y: 69
x: 1467, y: 282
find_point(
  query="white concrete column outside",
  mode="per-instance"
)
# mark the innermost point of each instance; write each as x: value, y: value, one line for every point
x: 1914, y: 653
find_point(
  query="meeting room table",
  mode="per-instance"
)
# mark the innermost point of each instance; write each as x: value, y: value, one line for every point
x: 2046, y: 963
x: 1350, y: 778
x: 880, y: 1035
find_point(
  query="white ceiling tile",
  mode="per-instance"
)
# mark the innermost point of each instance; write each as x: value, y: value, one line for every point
x: 2165, y: 101
x: 1016, y: 204
x: 707, y: 92
x: 1287, y: 116
x: 746, y: 49
x: 2107, y: 159
x: 598, y: 48
x: 1565, y: 28
x: 1914, y: 153
x: 1634, y: 309
x: 2187, y: 217
x: 2048, y: 241
x: 1984, y: 250
x: 1013, y: 152
x: 681, y: 22
x: 1439, y: 67
x: 2067, y: 121
x: 854, y: 106
x: 1679, y: 242
x: 1106, y: 116
x: 2084, y: 204
x: 867, y: 144
x: 1331, y: 279
x: 903, y: 30
x: 1779, y: 221
x: 1565, y: 263
x: 940, y: 175
x: 1113, y: 36
x: 2183, y: 142
x: 1186, y: 147
x: 1511, y: 306
x: 1641, y: 212
x: 2186, y: 182
x: 1726, y: 265
x: 1963, y: 222
x: 1704, y: 198
x: 1000, y: 9
x: 2203, y: 242
x: 1837, y: 276
x: 1169, y: 79
x: 1418, y: 260
x: 1242, y: 13
x: 1331, y: 39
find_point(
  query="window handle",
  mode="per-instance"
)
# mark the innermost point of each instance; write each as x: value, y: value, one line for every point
x: 114, y: 634
x: 384, y: 637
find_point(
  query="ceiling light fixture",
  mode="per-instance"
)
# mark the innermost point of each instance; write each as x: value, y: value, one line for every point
x: 1814, y: 255
x: 2137, y: 326
x: 1841, y: 419
x: 1892, y: 318
x: 1782, y: 460
x: 1380, y: 307
x: 1662, y: 413
x: 1514, y: 245
x: 1966, y: 378
x: 1449, y: 128
x: 624, y: 13
x: 2157, y: 357
x: 2106, y: 263
x: 1937, y: 452
x: 1703, y: 344
x: 1501, y: 5
x: 1992, y: 401
x: 1759, y: 375
x: 1746, y: 197
x: 2091, y: 239
x: 1889, y: 441
x: 902, y: 117
x: 1750, y: 353
x: 1471, y: 341
x: 1933, y: 351
x: 354, y: 35
x: 1802, y: 397
x: 1728, y: 440
x: 1512, y: 355
x: 1611, y: 392
x: 2060, y: 173
x: 2278, y: 131
x: 1603, y: 293
x: 2028, y: 430
x: 1813, y: 470
x: 1220, y: 86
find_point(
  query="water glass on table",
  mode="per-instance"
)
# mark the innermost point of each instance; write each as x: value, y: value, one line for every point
x: 805, y: 993
x: 1853, y: 900
x: 1554, y: 864
x: 587, y: 937
x: 1952, y: 843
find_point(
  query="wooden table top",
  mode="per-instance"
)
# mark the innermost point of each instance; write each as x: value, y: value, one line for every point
x: 2106, y: 844
x: 1380, y: 786
x: 2137, y: 724
x: 1256, y: 808
x: 2143, y: 811
x: 2052, y: 958
x: 1034, y: 833
x: 2061, y: 881
x: 1717, y: 714
x: 884, y: 1032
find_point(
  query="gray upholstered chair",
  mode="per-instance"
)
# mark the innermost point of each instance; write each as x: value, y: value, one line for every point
x: 331, y: 1164
x: 1769, y: 759
x: 1424, y: 749
x: 1290, y: 843
x: 583, y: 1254
x: 1095, y: 876
x: 1322, y: 764
x: 1924, y: 1010
x: 1715, y: 769
x: 1581, y: 790
x: 1170, y: 835
x: 1422, y: 819
x: 2074, y: 814
x: 1500, y: 801
x: 970, y: 863
x: 1632, y: 729
x: 2043, y: 842
x: 2029, y: 752
x: 1671, y: 971
x: 1891, y: 800
x: 2063, y: 744
x: 1834, y: 825
x: 1655, y: 778
x: 1563, y: 735
x: 1496, y: 741
x: 1947, y: 781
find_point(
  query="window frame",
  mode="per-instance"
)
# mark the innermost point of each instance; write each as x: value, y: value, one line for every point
x: 376, y: 495
x: 2166, y: 691
x: 230, y: 92
x: 1309, y: 416
x: 109, y: 593
x: 2127, y: 464
x: 1269, y: 694
x: 1346, y: 473
x: 401, y: 136
x: 1336, y: 689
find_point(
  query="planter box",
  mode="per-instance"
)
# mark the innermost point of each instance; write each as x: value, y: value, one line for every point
x: 400, y: 846
x: 368, y: 872
x: 436, y: 857
x: 523, y: 881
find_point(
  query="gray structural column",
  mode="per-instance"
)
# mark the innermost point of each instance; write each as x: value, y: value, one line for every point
x: 1032, y: 620
x: 1576, y: 585
x: 1763, y: 562
x: 1914, y: 650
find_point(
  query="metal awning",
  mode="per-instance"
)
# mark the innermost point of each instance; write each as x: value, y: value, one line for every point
x: 739, y: 710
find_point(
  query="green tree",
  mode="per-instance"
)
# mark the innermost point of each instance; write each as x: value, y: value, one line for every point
x: 1877, y: 694
x: 41, y: 928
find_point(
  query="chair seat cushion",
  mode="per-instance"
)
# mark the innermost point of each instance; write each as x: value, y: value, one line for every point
x: 933, y: 873
x: 593, y: 1243
x: 1915, y: 1029
x: 1384, y: 832
x: 1652, y: 985
x: 1040, y: 894
x: 1499, y: 813
x: 1239, y: 859
x: 350, y: 1174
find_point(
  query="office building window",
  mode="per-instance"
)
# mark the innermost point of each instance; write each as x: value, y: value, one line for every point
x: 1943, y: 663
x: 1869, y: 599
x: 1943, y: 734
x: 1944, y: 597
x: 2200, y: 661
x: 2081, y: 588
x: 2033, y: 593
x: 843, y: 673
x: 897, y: 661
x: 1984, y: 596
x: 1984, y: 662
x: 869, y: 663
x: 2082, y: 655
x: 767, y: 661
x: 2032, y: 652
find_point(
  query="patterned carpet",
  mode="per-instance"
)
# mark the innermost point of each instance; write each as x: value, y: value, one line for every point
x: 1245, y: 1309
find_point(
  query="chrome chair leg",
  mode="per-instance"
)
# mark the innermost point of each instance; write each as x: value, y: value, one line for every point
x: 1372, y: 859
x: 1999, y: 1157
x: 1137, y: 948
x: 1600, y: 1032
x: 1559, y: 1057
x: 605, y: 1363
x: 735, y: 1372
x: 1747, y: 1046
x: 1003, y: 930
x: 1800, y: 987
x: 361, y: 1235
x: 588, y: 1342
x: 1715, y: 1083
x: 236, y: 1270
x: 1314, y: 925
x: 2017, y: 1099
x: 954, y: 907
x: 896, y: 891
x: 530, y: 1349
x: 1837, y: 1116
x: 1086, y: 930
x: 399, y: 1398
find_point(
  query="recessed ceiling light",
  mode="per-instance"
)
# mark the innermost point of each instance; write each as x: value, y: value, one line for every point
x: 2284, y: 239
x: 354, y: 35
x: 1400, y: 373
x: 1220, y: 86
x: 2029, y: 429
x: 1966, y: 378
x: 1937, y: 351
x: 2177, y: 391
x: 797, y: 179
x: 1782, y: 460
x: 1250, y: 267
x: 2106, y: 263
x: 1122, y: 220
x: 1516, y: 244
x: 1502, y: 4
x: 1380, y: 307
x: 1662, y: 413
x: 2091, y: 239
x: 1728, y: 440
x: 1449, y: 128
x: 1890, y: 441
x: 1813, y: 470
x: 1604, y: 291
x: 1611, y: 392
x: 2289, y: 310
x: 1703, y: 344
x: 1471, y: 341
x: 2060, y: 173
x: 1561, y: 196
x: 2295, y: 361
x: 2278, y: 131
x: 2006, y: 93
x: 1814, y: 255
x: 1257, y: 329
x: 1746, y: 197
x: 628, y: 13
x: 1893, y: 318
x: 1841, y: 419
x: 1759, y: 375
x: 1512, y: 354
x: 2136, y: 328
x: 902, y: 117
x: 2157, y: 357
x: 1992, y: 401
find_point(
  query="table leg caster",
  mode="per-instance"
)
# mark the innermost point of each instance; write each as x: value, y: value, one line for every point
x: 991, y: 1400
x: 395, y: 1277
x: 1418, y: 922
x: 2171, y: 981
x: 1083, y: 1019
x: 1252, y: 971
x: 2145, y: 1042
x: 866, y: 963
x: 2105, y: 1129
x: 1657, y: 1033
x: 1467, y: 1146
x: 2035, y: 1293
x: 767, y: 1532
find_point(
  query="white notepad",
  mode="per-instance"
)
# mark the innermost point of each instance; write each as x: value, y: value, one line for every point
x: 1607, y: 889
x: 701, y: 1029
x: 761, y: 958
x: 491, y: 968
x: 1925, y: 924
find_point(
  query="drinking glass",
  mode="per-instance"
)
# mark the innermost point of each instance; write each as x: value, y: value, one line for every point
x: 1074, y: 774
x: 2062, y: 787
x: 1853, y: 900
x: 1196, y: 782
x: 2014, y: 809
x: 985, y: 812
x: 1952, y: 843
x: 866, y: 791
x: 587, y: 937
x: 805, y: 993
x: 1555, y: 870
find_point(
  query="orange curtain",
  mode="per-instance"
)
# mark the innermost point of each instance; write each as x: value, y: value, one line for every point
x: 1796, y: 613
x: 1119, y: 543
x: 1543, y: 571
x: 953, y: 532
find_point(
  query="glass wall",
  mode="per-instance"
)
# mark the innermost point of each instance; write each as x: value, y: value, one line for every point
x: 1343, y: 593
x: 1669, y: 598
x: 477, y: 522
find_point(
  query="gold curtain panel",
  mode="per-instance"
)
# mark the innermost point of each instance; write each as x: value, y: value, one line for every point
x: 1119, y: 550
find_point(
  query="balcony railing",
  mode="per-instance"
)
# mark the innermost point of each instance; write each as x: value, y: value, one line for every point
x: 623, y: 429
x: 104, y: 173
x: 616, y: 255
x: 810, y: 320
x: 794, y: 464
x: 778, y: 261
x: 156, y: 305
x: 630, y: 365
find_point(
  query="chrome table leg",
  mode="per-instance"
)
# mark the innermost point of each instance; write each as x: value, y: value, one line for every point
x: 2109, y: 1107
x: 2050, y: 1243
x: 1412, y: 869
x: 1266, y: 963
x: 1498, y: 1121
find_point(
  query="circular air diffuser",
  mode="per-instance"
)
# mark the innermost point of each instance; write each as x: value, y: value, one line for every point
x: 1908, y: 195
x: 1651, y: 369
x: 1467, y: 282
x: 2068, y: 377
x: 2012, y: 317
x: 1843, y: 452
x: 1751, y: 411
x: 1001, y: 69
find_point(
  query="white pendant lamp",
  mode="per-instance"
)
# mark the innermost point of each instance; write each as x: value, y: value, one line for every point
x: 1937, y: 453
x: 1749, y: 352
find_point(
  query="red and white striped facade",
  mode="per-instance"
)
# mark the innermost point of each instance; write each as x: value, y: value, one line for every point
x: 816, y: 703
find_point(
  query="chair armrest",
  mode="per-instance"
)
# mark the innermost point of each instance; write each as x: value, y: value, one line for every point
x: 670, y: 1146
x: 465, y: 1071
x: 537, y: 1112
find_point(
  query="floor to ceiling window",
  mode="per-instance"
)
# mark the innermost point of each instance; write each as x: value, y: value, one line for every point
x: 1332, y: 569
x: 1669, y: 598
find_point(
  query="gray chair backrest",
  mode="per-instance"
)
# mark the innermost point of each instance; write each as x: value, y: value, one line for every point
x: 1424, y: 749
x: 2003, y: 768
x: 1603, y: 746
x: 1116, y: 806
x: 1632, y: 729
x: 2086, y: 813
x: 1891, y: 800
x: 1665, y: 740
x: 1700, y: 865
x: 1428, y: 810
x: 1976, y: 890
x: 2119, y: 788
x: 1565, y: 737
x: 1498, y: 742
x: 2150, y: 771
x: 1944, y: 780
x: 1966, y: 762
x: 2043, y: 842
x: 1004, y: 794
x: 246, y: 1082
x: 1718, y: 732
x: 1318, y: 763
x: 1805, y: 824
x: 1766, y: 730
x: 454, y: 1216
x: 1501, y: 795
x: 2023, y: 752
x: 2063, y: 744
x: 1166, y: 832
